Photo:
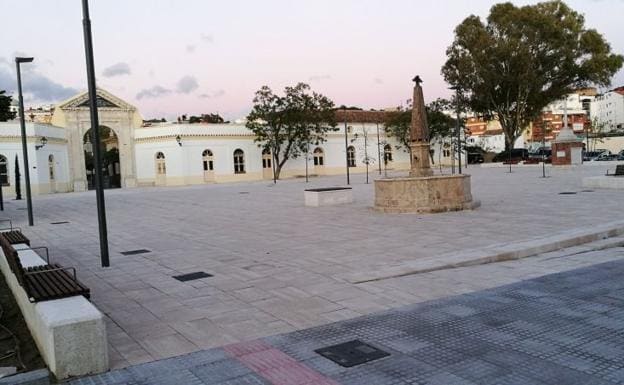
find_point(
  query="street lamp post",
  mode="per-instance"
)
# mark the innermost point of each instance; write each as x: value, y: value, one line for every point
x: 378, y: 149
x: 457, y: 129
x: 95, y: 127
x: 544, y: 124
x: 18, y: 61
x: 346, y: 144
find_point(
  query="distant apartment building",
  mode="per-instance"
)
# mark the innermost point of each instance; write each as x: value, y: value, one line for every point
x: 546, y: 127
x: 608, y: 109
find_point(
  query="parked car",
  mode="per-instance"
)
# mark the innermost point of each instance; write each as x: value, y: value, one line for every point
x: 591, y: 155
x: 605, y: 157
x: 475, y: 157
x: 517, y: 155
x: 541, y: 152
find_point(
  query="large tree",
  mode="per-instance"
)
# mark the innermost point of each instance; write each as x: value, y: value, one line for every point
x: 5, y: 107
x: 286, y: 125
x: 523, y: 58
x: 440, y: 124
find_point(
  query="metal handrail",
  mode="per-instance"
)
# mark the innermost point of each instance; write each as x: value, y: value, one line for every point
x: 47, y: 251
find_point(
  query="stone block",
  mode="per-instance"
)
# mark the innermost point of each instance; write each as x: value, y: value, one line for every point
x: 328, y: 196
x: 69, y: 332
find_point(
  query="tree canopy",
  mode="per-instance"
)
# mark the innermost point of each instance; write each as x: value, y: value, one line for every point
x: 523, y: 58
x: 286, y: 125
x: 5, y: 107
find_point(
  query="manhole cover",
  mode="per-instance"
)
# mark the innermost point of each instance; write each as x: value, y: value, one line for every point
x: 59, y: 223
x: 567, y: 193
x: 352, y: 353
x: 192, y: 276
x: 243, y: 192
x: 587, y: 190
x: 135, y: 252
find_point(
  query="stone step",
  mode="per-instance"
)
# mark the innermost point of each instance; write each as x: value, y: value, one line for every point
x: 570, y: 242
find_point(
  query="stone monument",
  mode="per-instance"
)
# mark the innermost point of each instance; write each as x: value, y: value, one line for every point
x: 421, y: 191
x: 567, y: 149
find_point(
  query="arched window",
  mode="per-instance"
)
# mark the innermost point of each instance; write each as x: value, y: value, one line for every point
x: 266, y: 158
x: 239, y: 161
x: 351, y: 156
x: 208, y: 161
x: 161, y: 167
x: 4, y: 171
x: 51, y: 167
x: 387, y: 153
x: 318, y: 157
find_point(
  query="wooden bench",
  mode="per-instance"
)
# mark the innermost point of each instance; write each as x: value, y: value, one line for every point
x: 43, y: 282
x: 619, y: 170
x: 15, y: 237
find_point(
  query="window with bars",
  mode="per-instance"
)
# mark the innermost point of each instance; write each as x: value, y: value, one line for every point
x: 239, y: 162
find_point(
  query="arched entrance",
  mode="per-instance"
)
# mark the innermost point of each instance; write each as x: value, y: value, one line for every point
x: 109, y: 149
x: 208, y: 163
x: 161, y: 169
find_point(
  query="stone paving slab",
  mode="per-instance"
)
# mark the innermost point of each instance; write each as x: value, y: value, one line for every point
x: 279, y: 266
x: 564, y: 329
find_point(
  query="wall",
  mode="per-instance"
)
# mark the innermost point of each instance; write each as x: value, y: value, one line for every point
x: 11, y: 145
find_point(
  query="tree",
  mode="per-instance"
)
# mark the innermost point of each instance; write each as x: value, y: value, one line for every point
x: 597, y: 129
x: 440, y: 124
x: 5, y: 107
x: 286, y: 125
x: 524, y: 58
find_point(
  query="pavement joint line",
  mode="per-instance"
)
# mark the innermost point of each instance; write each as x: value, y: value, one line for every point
x: 494, y: 253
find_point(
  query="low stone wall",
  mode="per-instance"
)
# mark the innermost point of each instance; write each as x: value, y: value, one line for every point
x: 328, y: 196
x: 69, y: 332
x: 432, y: 194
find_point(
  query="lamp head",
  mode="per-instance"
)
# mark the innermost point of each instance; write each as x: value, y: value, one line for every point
x: 24, y: 59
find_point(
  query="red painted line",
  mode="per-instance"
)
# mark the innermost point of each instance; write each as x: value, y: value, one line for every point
x: 274, y: 365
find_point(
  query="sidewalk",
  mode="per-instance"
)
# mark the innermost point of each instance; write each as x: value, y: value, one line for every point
x: 278, y: 266
x: 562, y: 329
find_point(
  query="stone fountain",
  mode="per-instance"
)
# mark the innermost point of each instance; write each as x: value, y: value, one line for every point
x: 422, y: 191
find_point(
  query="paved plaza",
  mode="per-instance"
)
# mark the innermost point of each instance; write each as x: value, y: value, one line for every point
x: 563, y: 329
x: 279, y: 267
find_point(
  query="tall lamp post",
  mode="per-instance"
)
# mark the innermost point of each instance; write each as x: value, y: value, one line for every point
x: 457, y: 129
x: 18, y: 61
x: 379, y: 149
x: 95, y: 128
x: 346, y: 143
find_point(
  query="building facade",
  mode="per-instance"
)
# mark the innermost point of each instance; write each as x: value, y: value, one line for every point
x: 180, y: 153
x: 608, y: 109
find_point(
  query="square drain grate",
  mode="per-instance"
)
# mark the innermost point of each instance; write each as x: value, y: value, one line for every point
x: 135, y: 252
x: 59, y: 223
x: 192, y: 276
x: 352, y: 353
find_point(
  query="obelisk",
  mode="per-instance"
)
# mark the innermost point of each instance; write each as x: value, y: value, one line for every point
x: 419, y: 134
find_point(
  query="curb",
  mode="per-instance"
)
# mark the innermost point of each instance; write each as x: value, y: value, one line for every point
x: 491, y: 254
x: 35, y: 377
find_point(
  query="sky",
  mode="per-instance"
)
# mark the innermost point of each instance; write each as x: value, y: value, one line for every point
x: 174, y: 57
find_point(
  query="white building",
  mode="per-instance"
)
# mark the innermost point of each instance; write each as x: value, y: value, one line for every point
x: 608, y: 108
x: 174, y: 154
